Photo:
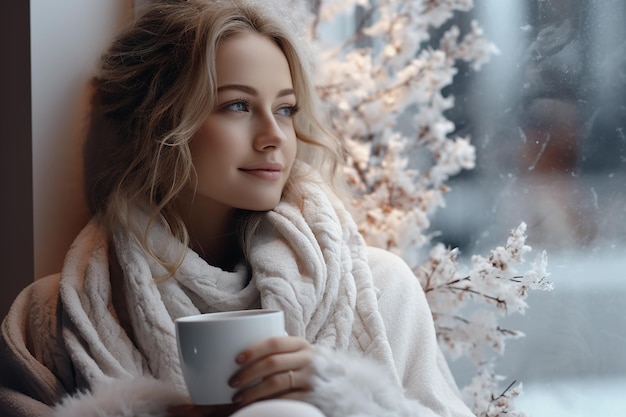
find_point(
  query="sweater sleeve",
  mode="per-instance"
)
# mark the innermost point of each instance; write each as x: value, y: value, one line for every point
x: 410, y: 329
x: 348, y: 384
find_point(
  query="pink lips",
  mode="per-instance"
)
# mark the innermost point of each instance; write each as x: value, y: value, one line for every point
x: 266, y: 171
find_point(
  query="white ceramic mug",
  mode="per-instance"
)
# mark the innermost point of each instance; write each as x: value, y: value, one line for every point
x: 209, y: 343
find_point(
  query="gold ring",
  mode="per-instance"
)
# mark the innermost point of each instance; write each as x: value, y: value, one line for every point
x: 292, y: 383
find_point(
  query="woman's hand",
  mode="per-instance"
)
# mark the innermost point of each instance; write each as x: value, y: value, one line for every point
x: 282, y: 366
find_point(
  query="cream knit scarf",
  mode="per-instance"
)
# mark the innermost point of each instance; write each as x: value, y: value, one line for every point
x: 308, y: 260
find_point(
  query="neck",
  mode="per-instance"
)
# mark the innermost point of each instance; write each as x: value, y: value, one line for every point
x: 212, y: 232
x: 222, y: 251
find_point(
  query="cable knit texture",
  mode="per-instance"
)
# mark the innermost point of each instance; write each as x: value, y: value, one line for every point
x: 308, y: 260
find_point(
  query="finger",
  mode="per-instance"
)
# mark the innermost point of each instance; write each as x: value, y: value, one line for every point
x: 272, y: 364
x: 271, y: 346
x: 276, y: 386
x: 294, y: 395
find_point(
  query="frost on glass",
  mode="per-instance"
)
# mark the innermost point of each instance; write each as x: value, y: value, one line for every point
x: 547, y: 116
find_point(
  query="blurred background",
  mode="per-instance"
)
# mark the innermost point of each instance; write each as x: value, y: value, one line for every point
x: 547, y: 116
x: 548, y: 119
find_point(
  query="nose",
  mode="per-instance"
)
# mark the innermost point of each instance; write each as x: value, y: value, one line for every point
x: 269, y: 134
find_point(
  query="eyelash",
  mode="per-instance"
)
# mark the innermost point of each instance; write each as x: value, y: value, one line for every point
x: 245, y: 101
x: 292, y: 110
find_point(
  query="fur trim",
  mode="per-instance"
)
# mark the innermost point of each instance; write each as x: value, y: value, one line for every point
x: 351, y: 385
x: 139, y: 397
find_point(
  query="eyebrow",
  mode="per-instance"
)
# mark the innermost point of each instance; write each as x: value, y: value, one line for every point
x: 253, y: 92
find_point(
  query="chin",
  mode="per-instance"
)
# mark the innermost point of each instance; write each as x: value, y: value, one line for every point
x: 265, y: 205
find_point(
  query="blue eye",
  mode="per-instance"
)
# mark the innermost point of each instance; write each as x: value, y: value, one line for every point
x: 288, y: 111
x: 237, y: 106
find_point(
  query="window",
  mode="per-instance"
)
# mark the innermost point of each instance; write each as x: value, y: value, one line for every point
x: 547, y: 116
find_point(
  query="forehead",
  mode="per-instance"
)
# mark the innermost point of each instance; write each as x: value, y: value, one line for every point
x: 252, y: 58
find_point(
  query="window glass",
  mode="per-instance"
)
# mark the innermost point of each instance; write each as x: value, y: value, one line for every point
x: 547, y: 116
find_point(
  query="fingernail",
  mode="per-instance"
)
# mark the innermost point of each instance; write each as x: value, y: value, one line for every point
x: 237, y: 398
x: 234, y: 382
x: 241, y: 358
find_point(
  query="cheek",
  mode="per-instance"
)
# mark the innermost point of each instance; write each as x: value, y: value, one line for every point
x: 201, y: 153
x: 292, y: 149
x: 214, y: 144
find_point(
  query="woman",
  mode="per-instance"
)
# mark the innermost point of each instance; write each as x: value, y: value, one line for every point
x: 210, y: 179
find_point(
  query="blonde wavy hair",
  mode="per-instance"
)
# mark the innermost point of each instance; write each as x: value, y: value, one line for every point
x: 153, y: 90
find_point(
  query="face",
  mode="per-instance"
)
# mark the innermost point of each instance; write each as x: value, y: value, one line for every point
x: 244, y: 151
